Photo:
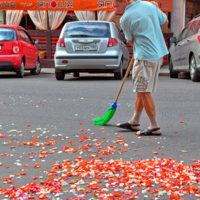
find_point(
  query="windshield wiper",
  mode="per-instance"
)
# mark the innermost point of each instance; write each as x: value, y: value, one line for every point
x: 78, y: 35
x: 5, y: 40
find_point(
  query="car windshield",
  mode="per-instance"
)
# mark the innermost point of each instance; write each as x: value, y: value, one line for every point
x: 87, y: 29
x: 7, y: 34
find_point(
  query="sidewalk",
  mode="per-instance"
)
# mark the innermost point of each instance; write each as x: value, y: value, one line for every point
x: 164, y: 71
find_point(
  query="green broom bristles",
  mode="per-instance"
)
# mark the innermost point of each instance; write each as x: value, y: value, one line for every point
x: 106, y: 118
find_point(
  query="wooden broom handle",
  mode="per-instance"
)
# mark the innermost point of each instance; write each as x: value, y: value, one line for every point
x: 127, y: 71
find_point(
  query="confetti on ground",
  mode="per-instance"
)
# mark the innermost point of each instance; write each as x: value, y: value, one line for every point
x: 92, y: 171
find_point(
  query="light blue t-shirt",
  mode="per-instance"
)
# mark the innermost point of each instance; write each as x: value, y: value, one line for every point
x: 141, y: 21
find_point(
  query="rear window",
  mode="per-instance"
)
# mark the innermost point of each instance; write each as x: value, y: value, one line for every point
x: 87, y: 29
x: 7, y: 34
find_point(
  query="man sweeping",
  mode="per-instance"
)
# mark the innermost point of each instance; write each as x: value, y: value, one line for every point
x: 141, y: 25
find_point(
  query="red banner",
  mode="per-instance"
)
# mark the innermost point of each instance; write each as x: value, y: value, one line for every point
x: 71, y: 5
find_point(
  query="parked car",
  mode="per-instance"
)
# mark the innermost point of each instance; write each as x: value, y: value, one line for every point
x: 184, y: 53
x: 17, y: 51
x: 91, y: 46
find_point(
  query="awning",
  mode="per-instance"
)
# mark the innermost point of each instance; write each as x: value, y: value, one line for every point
x: 71, y: 5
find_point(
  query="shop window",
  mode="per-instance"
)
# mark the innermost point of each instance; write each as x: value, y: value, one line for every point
x: 26, y: 22
x: 192, y: 9
x: 1, y: 17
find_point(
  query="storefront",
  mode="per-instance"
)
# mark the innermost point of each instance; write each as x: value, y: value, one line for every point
x: 192, y: 8
x: 47, y: 21
x: 183, y: 12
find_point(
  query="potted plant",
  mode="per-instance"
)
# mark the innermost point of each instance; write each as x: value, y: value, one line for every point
x: 167, y: 33
x: 41, y: 54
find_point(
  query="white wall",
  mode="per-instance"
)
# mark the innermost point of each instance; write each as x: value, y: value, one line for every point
x: 177, y: 16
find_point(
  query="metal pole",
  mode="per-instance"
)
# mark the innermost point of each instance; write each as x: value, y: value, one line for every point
x: 4, y: 16
x: 48, y: 38
x: 96, y: 16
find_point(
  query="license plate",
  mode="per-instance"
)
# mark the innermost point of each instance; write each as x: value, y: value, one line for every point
x: 86, y: 48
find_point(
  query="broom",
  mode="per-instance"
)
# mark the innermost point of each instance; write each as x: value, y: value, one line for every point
x: 109, y: 114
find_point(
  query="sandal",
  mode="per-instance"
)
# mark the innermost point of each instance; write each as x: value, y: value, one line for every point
x: 126, y: 125
x: 149, y: 132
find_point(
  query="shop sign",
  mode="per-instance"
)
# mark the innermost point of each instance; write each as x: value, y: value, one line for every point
x: 7, y: 4
x: 71, y: 5
x: 189, y: 8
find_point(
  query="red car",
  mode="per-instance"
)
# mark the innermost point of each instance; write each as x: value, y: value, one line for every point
x: 18, y: 51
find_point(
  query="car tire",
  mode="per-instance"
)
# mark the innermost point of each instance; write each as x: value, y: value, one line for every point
x: 118, y: 75
x: 172, y: 74
x: 124, y: 71
x: 20, y: 73
x: 37, y: 69
x: 76, y: 74
x: 60, y: 75
x: 193, y: 70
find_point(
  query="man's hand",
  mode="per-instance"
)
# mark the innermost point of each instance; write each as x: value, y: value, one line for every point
x: 131, y: 42
x: 155, y: 3
x: 157, y: 6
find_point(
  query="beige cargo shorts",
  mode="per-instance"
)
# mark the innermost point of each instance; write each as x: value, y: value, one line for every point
x: 145, y: 75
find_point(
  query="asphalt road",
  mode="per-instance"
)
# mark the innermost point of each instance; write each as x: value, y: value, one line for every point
x: 43, y: 109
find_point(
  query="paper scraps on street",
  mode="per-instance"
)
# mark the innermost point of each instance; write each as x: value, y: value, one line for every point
x: 93, y: 171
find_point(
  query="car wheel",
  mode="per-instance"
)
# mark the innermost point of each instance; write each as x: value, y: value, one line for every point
x: 60, y: 75
x: 118, y: 75
x: 37, y: 69
x: 124, y: 71
x: 193, y: 70
x: 20, y: 73
x: 171, y: 70
x: 76, y: 74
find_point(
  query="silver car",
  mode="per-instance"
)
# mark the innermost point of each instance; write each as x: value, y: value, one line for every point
x: 91, y: 46
x: 184, y: 53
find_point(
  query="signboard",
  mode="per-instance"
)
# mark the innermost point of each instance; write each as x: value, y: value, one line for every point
x: 165, y: 5
x: 189, y: 7
x: 93, y: 5
x: 68, y: 5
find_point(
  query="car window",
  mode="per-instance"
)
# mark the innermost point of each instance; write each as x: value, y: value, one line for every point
x: 119, y: 33
x: 21, y: 35
x: 198, y: 26
x: 87, y: 29
x: 28, y: 38
x: 183, y: 33
x: 7, y: 34
x: 192, y: 29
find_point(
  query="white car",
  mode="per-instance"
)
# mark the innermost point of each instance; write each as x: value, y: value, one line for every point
x: 184, y: 53
x: 91, y: 46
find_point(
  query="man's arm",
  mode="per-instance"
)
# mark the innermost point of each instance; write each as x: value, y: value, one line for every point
x: 156, y: 4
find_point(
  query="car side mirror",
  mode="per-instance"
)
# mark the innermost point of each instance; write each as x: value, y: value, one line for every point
x: 35, y: 41
x: 173, y: 40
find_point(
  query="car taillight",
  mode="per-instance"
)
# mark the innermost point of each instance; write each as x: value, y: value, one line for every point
x: 198, y: 38
x: 16, y: 48
x: 112, y: 42
x: 61, y: 42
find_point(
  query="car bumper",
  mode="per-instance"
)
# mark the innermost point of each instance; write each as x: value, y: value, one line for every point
x: 10, y: 62
x: 110, y: 62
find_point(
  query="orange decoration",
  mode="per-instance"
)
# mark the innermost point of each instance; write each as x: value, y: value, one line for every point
x: 155, y: 152
x: 116, y: 194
